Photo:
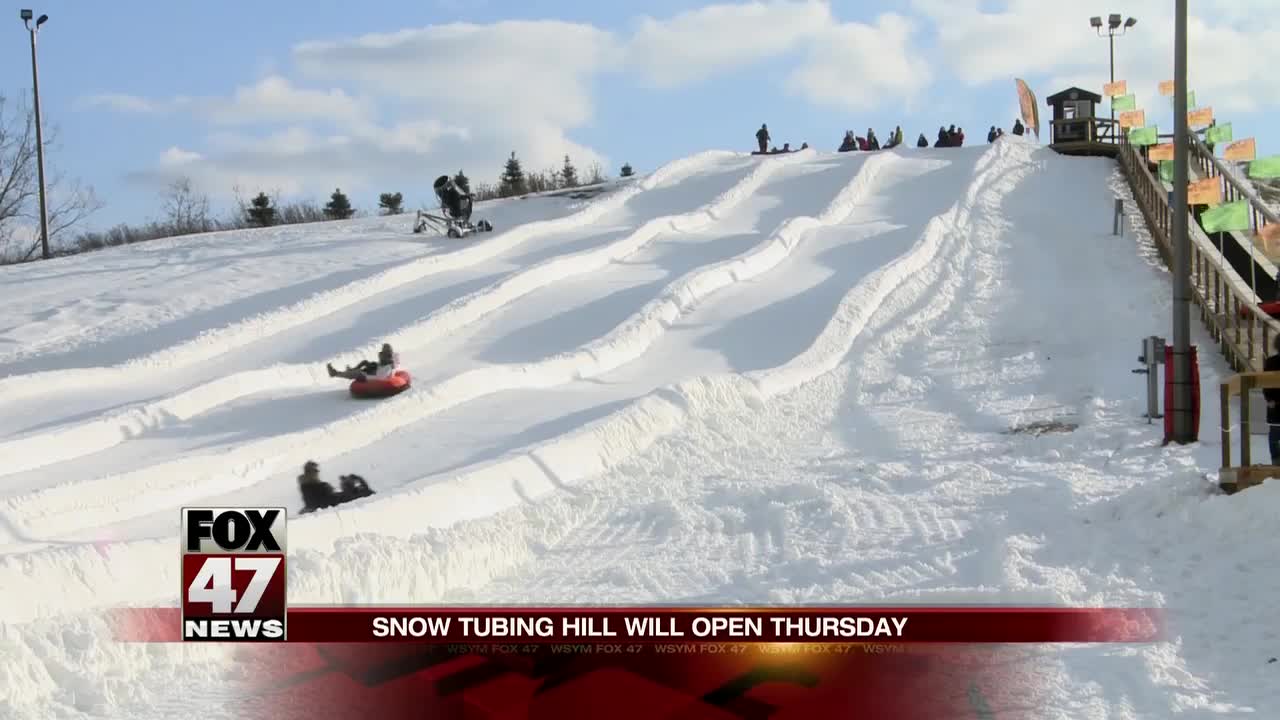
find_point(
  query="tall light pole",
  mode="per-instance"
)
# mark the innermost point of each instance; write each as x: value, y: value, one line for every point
x: 1183, y: 427
x: 35, y: 92
x: 1113, y: 24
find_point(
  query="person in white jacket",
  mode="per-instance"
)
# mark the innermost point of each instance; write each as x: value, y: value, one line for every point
x: 386, y: 366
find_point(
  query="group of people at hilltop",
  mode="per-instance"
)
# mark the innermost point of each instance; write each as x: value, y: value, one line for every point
x: 762, y: 139
x: 947, y: 137
x: 996, y: 133
x: 870, y: 142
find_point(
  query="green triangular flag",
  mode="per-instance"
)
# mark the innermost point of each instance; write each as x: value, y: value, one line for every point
x: 1124, y: 102
x: 1166, y: 170
x: 1143, y: 136
x: 1267, y: 167
x: 1226, y: 218
x: 1218, y: 134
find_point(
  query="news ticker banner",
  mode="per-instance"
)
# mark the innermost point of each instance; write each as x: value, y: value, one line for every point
x: 673, y: 681
x: 644, y: 625
x: 234, y: 589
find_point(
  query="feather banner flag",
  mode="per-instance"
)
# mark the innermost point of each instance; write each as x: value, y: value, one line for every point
x: 1027, y: 103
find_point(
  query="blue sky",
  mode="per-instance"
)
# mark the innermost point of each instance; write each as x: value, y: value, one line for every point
x: 305, y: 97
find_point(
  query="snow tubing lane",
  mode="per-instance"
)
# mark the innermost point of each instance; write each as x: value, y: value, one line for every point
x: 394, y: 385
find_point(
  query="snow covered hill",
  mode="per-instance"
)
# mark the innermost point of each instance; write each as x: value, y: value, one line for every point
x: 795, y: 379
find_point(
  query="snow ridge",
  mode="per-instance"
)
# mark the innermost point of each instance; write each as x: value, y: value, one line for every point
x: 216, y: 342
x: 598, y: 446
x: 40, y: 449
x: 69, y: 506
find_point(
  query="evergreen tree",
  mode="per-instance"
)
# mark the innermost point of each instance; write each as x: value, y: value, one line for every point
x: 463, y: 182
x: 627, y: 171
x: 391, y: 203
x: 260, y: 211
x: 568, y: 174
x: 339, y: 207
x: 513, y: 177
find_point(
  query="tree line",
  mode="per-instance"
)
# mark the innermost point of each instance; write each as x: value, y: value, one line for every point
x: 185, y: 210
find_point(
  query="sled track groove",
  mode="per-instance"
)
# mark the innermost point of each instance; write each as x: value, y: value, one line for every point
x: 98, y: 434
x: 612, y: 440
x: 604, y: 443
x: 72, y: 506
x: 219, y: 341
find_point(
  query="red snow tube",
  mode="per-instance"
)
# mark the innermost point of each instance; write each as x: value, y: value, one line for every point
x: 372, y: 388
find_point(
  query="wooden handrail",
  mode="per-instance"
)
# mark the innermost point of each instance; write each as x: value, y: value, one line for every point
x: 1229, y: 307
x: 1209, y: 160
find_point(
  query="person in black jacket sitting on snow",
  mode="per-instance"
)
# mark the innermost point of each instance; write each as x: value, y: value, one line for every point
x: 316, y: 493
x: 386, y: 366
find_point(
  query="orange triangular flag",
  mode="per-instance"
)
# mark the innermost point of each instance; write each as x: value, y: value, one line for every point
x: 1133, y: 118
x: 1116, y: 89
x: 1205, y: 192
x: 1163, y: 151
x: 1269, y: 234
x: 1245, y: 149
x: 1166, y: 87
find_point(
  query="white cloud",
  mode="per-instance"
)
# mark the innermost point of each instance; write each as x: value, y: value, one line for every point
x: 850, y: 66
x: 394, y: 109
x: 274, y: 99
x: 696, y: 45
x: 856, y: 67
x: 499, y: 74
x: 176, y: 157
x: 1232, y: 47
x: 121, y: 103
x: 271, y: 99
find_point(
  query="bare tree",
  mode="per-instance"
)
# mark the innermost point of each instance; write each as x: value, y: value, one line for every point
x: 69, y: 202
x: 186, y: 210
x: 18, y: 186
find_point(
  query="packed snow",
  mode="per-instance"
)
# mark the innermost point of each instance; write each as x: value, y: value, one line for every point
x: 896, y: 377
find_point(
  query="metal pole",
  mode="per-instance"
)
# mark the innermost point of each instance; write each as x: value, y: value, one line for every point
x: 1112, y: 38
x: 35, y: 91
x: 1182, y: 401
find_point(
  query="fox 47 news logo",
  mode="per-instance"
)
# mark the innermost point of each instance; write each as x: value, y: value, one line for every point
x: 233, y: 574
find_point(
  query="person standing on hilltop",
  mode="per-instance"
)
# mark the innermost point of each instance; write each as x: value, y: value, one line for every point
x: 762, y: 137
